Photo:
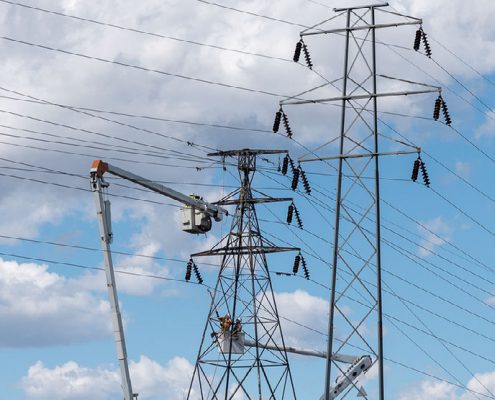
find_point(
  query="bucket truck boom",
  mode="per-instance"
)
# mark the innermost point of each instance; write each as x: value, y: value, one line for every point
x: 196, y: 218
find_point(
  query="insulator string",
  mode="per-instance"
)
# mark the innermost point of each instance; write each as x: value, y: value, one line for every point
x: 297, y: 51
x: 188, y: 270
x: 290, y: 213
x: 276, y: 122
x: 295, y: 267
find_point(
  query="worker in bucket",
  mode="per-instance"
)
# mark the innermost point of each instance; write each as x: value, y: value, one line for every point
x: 237, y: 326
x: 225, y: 323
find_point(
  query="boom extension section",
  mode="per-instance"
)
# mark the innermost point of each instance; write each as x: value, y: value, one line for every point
x: 357, y: 365
x: 196, y: 218
x: 196, y: 213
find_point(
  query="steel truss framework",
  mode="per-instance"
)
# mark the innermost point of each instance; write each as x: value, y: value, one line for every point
x: 356, y: 328
x: 243, y: 290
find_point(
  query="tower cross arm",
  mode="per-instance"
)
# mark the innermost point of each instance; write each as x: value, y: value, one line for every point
x: 361, y: 28
x: 263, y: 200
x: 361, y: 96
x: 243, y: 250
x: 371, y: 154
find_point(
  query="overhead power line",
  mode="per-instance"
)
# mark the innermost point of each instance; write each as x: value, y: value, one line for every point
x: 459, y: 209
x: 253, y: 14
x: 204, y: 148
x: 444, y: 342
x: 320, y: 4
x: 403, y: 365
x: 409, y: 255
x: 153, y: 276
x: 483, y: 76
x: 474, y: 95
x: 121, y: 150
x: 426, y: 331
x: 459, y: 96
x: 314, y: 254
x: 108, y: 157
x: 198, y: 123
x: 97, y: 250
x: 61, y: 185
x: 160, y: 277
x: 459, y: 58
x: 141, y: 68
x: 320, y: 203
x: 113, y: 180
x: 88, y: 267
x: 142, y: 32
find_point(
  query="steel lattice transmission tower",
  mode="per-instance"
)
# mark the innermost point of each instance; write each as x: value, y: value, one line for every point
x: 250, y: 361
x: 355, y: 327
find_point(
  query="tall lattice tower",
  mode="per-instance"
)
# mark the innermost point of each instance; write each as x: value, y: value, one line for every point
x: 355, y: 330
x: 242, y: 353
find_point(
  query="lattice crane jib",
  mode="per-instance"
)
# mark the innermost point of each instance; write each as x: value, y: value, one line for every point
x: 355, y: 316
x: 242, y: 353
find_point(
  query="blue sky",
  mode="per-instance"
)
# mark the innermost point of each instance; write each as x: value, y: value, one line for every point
x: 55, y: 336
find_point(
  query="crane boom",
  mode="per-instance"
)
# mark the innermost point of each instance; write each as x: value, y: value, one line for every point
x: 103, y: 213
x: 304, y: 352
x: 99, y: 168
x: 196, y: 219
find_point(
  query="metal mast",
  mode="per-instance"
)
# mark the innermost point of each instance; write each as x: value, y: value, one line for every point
x: 247, y: 360
x: 197, y: 213
x: 356, y: 327
x: 104, y: 223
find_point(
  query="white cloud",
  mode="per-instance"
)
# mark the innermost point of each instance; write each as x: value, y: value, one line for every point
x: 157, y: 232
x: 451, y: 22
x: 436, y: 233
x: 482, y: 384
x: 40, y: 308
x: 431, y: 390
x: 307, y: 310
x: 25, y: 217
x: 486, y: 130
x: 71, y: 381
x: 463, y: 168
x: 153, y: 380
x: 465, y: 26
x: 75, y: 81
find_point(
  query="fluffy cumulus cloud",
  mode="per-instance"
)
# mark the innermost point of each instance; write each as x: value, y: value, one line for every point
x: 169, y: 381
x: 451, y: 21
x: 39, y: 308
x: 43, y: 142
x: 431, y: 391
x: 27, y: 217
x: 436, y: 233
x: 72, y: 381
x: 307, y: 310
x: 481, y: 383
x: 463, y: 168
x: 73, y: 80
x: 149, y: 149
x: 299, y: 310
x: 479, y: 386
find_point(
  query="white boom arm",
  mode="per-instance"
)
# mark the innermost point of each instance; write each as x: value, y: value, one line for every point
x: 103, y: 213
x: 358, y: 364
x: 98, y: 168
x: 304, y: 352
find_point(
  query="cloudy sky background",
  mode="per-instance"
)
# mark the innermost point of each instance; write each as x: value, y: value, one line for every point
x: 55, y: 333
